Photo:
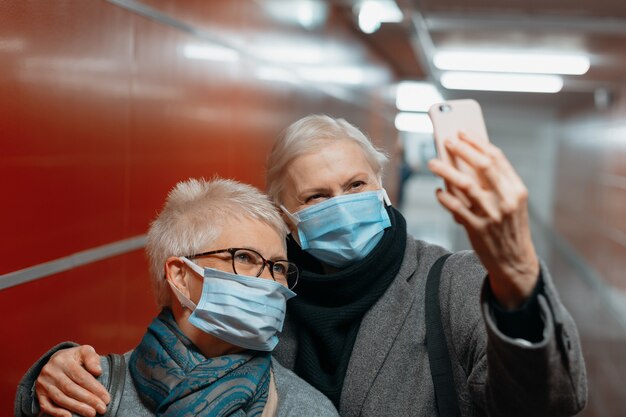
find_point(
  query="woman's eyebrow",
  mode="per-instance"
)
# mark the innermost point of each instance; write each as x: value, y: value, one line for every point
x: 271, y: 257
x: 361, y: 176
x: 313, y: 190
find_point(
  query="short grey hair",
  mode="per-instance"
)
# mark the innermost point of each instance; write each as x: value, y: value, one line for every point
x: 192, y: 218
x: 309, y: 134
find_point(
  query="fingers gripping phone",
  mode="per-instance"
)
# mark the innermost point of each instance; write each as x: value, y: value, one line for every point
x: 450, y: 118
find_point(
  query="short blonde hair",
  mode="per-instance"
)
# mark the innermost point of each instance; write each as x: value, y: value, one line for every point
x: 309, y: 134
x: 192, y: 218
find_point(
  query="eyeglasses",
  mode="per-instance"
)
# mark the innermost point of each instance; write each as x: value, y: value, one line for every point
x: 249, y: 262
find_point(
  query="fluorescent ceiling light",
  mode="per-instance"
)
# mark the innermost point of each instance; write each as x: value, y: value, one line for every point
x: 297, y: 49
x: 311, y: 14
x: 308, y: 13
x: 416, y: 96
x: 290, y: 54
x: 211, y: 52
x: 268, y: 73
x: 351, y: 75
x: 339, y: 75
x: 535, y: 63
x: 374, y: 12
x: 532, y: 83
x: 413, y: 122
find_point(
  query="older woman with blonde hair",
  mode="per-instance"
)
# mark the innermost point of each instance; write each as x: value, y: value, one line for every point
x: 362, y: 328
x: 219, y: 270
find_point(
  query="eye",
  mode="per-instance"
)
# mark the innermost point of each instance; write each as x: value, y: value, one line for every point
x: 279, y: 269
x: 314, y: 198
x: 244, y: 257
x: 357, y: 185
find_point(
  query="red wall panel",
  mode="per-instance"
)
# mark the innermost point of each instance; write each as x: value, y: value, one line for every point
x: 101, y: 114
x: 106, y: 304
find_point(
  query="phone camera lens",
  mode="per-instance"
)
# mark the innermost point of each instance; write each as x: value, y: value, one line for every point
x: 444, y: 108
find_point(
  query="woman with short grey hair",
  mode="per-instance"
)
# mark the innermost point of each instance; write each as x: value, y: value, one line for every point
x: 221, y: 278
x: 194, y: 216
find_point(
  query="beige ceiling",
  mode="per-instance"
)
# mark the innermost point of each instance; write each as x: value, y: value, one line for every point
x: 597, y: 28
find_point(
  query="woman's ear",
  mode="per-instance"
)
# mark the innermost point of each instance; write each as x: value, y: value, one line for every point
x: 177, y: 274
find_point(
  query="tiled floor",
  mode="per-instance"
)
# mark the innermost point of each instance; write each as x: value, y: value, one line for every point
x: 600, y: 315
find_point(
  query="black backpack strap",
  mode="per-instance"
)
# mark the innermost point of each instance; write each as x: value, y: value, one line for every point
x: 117, y: 379
x: 438, y: 356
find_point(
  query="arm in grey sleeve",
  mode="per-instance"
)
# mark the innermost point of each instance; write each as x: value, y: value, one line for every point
x: 514, y: 377
x: 26, y: 403
x: 547, y: 378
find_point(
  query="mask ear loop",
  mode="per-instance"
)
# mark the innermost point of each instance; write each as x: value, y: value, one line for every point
x: 293, y: 218
x: 386, y: 197
x: 184, y: 301
x: 196, y: 268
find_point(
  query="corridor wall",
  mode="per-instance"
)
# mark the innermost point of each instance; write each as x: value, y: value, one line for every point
x: 105, y: 106
x: 590, y: 191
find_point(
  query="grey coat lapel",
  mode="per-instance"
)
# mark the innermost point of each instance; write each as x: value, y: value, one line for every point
x: 377, y: 334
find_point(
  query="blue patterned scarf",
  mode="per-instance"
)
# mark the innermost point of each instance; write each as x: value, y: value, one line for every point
x: 173, y: 378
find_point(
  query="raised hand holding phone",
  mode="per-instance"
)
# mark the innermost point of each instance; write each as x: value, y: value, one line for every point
x: 487, y: 197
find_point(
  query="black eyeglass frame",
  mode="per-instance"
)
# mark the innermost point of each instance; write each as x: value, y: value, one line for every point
x: 268, y: 262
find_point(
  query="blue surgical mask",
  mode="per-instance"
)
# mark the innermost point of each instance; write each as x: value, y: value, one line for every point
x: 244, y: 311
x: 343, y: 229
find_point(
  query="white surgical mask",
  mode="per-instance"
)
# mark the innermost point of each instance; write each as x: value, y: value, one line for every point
x: 342, y: 229
x: 244, y: 311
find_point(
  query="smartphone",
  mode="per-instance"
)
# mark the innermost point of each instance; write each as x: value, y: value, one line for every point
x: 454, y: 116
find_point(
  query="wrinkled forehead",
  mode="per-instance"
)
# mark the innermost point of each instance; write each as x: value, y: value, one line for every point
x: 337, y: 162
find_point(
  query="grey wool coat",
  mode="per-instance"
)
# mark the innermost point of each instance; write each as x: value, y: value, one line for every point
x: 296, y: 398
x: 389, y: 374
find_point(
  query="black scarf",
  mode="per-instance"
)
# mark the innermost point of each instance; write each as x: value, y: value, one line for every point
x: 329, y: 307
